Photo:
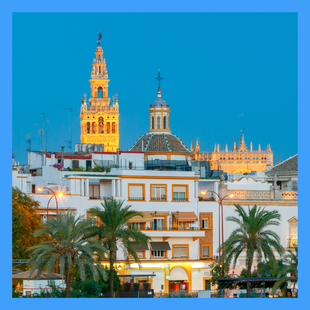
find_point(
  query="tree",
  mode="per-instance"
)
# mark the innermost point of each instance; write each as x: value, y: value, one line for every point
x: 25, y: 222
x: 252, y: 236
x: 114, y: 229
x: 217, y: 272
x: 288, y: 271
x: 70, y: 245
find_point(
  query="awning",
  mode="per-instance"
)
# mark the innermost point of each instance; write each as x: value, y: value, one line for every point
x: 160, y: 246
x: 147, y: 217
x: 140, y: 247
x: 185, y: 216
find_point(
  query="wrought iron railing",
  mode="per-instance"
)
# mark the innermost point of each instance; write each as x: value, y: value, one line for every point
x: 158, y: 198
x: 136, y: 198
x: 173, y: 228
x: 180, y: 199
x: 101, y: 197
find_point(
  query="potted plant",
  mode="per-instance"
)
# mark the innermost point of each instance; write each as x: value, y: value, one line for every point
x: 108, y: 169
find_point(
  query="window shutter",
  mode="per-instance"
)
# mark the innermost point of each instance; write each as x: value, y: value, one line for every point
x: 135, y: 191
x: 205, y: 251
x: 183, y: 251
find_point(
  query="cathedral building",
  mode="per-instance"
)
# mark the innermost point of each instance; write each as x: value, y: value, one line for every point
x: 238, y: 160
x: 100, y: 120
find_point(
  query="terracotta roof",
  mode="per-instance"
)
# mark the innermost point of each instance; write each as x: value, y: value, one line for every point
x: 288, y: 165
x: 44, y: 275
x: 159, y: 142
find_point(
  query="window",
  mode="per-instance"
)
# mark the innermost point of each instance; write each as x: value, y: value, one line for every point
x: 140, y: 254
x: 99, y: 94
x: 293, y: 232
x: 158, y: 192
x: 205, y: 251
x: 158, y: 224
x: 113, y: 127
x: 93, y: 128
x: 136, y: 191
x: 88, y: 127
x: 94, y: 191
x: 152, y: 122
x: 165, y: 122
x: 101, y: 125
x: 179, y: 192
x: 137, y: 225
x: 108, y: 127
x: 180, y: 251
x: 206, y: 222
x: 33, y: 188
x: 75, y: 164
x: 28, y: 293
x: 158, y: 122
x: 158, y: 253
x: 295, y: 186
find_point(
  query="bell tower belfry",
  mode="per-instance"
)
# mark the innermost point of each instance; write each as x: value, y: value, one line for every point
x: 100, y: 120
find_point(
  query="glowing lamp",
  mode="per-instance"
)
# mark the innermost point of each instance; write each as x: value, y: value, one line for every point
x: 40, y: 189
x: 203, y: 192
x: 231, y: 195
x: 119, y: 267
x: 60, y: 194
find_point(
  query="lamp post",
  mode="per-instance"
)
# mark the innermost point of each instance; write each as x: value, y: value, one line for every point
x: 220, y: 200
x: 59, y: 194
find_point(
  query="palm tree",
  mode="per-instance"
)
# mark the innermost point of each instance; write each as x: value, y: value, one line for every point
x: 253, y: 236
x: 290, y: 266
x: 114, y: 229
x: 69, y: 245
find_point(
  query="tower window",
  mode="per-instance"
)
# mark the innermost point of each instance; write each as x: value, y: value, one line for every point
x: 113, y: 127
x: 152, y: 122
x: 158, y: 122
x: 99, y: 92
x: 165, y: 122
x: 93, y: 127
x: 88, y: 127
x: 99, y: 69
x: 101, y: 125
x: 108, y: 127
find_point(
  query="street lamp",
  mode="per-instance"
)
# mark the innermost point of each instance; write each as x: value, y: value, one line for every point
x: 59, y: 194
x: 220, y: 200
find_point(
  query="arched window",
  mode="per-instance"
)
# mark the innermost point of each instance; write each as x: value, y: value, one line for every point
x: 88, y: 127
x: 295, y: 186
x: 158, y: 122
x: 152, y: 122
x: 99, y: 92
x: 165, y: 122
x: 101, y: 130
x: 93, y: 127
x: 108, y: 127
x: 113, y: 127
x: 99, y: 69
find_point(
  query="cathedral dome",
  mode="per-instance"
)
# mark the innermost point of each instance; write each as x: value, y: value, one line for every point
x: 159, y: 142
x: 159, y: 102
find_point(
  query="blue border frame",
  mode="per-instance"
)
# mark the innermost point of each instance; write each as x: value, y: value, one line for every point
x: 301, y: 7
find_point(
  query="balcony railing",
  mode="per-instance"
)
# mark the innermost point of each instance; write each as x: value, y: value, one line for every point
x: 136, y: 198
x: 292, y: 242
x: 158, y: 198
x: 174, y: 228
x: 101, y: 197
x: 180, y: 199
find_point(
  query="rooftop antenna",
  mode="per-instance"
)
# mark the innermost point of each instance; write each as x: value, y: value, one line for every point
x: 29, y: 142
x: 41, y: 132
x: 44, y: 122
x: 71, y: 128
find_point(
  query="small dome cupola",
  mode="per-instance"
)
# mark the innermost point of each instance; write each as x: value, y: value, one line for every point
x: 159, y: 112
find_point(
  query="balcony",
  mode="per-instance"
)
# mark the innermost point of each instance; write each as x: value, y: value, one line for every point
x: 292, y: 242
x: 136, y: 198
x: 159, y: 198
x: 101, y: 197
x: 180, y: 199
x: 167, y: 232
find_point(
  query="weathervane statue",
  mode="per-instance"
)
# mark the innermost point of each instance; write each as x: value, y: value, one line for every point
x: 99, y: 38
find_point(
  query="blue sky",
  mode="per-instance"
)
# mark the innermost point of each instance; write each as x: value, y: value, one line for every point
x: 222, y: 72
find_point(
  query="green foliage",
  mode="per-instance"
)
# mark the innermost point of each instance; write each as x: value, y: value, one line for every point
x: 68, y: 169
x: 218, y: 271
x: 114, y: 230
x: 16, y: 294
x: 98, y: 168
x: 25, y: 222
x: 79, y: 169
x: 288, y: 271
x: 103, y: 282
x: 69, y: 245
x: 253, y: 236
x: 180, y: 294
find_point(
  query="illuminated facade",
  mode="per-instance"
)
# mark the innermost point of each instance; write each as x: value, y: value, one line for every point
x: 239, y: 160
x: 99, y: 121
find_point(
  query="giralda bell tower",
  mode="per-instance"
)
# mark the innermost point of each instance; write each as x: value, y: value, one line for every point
x: 99, y: 120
